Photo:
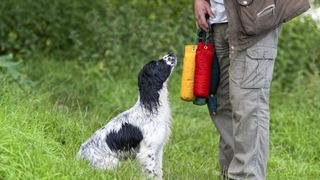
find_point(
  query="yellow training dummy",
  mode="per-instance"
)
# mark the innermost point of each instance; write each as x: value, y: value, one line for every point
x: 187, y: 81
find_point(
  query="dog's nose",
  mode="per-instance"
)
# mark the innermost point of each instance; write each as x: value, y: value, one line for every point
x: 170, y: 53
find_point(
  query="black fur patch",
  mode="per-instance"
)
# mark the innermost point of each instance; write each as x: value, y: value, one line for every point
x: 127, y: 138
x: 150, y: 82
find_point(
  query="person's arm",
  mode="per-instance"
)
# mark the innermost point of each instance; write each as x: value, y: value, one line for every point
x: 201, y: 8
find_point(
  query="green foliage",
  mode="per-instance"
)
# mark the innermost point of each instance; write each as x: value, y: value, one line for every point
x: 123, y: 34
x: 316, y: 2
x: 43, y: 26
x: 97, y: 29
x: 13, y: 70
x: 299, y: 50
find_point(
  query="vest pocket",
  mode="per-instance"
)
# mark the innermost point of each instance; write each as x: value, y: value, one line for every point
x: 256, y: 16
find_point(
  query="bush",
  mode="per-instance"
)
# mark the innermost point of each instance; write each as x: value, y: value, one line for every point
x: 47, y: 27
x: 299, y: 51
x: 119, y: 32
x: 95, y: 29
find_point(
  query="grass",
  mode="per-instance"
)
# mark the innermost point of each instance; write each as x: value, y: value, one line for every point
x: 41, y: 130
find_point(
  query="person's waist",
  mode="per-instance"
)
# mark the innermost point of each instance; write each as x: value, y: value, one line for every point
x: 219, y: 24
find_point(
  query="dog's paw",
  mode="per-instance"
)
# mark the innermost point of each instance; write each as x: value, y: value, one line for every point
x: 154, y: 174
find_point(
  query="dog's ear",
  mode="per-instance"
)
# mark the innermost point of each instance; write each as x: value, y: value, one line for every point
x: 149, y: 86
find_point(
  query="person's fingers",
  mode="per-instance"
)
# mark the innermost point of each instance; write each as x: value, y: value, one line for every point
x: 212, y: 114
x: 203, y: 22
x: 204, y: 27
x: 199, y: 22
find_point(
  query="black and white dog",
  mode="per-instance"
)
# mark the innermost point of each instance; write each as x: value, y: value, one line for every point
x: 141, y: 131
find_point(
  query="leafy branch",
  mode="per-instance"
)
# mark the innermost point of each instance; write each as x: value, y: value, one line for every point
x: 12, y: 68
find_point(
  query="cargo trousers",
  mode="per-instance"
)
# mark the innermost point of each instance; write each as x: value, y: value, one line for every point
x: 242, y: 117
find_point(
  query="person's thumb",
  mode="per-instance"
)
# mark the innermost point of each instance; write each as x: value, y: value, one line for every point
x: 209, y: 11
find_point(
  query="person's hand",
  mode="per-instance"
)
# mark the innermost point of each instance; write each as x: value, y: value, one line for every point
x: 201, y: 8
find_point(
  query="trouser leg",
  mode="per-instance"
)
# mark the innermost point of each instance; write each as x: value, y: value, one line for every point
x: 222, y: 119
x: 250, y: 75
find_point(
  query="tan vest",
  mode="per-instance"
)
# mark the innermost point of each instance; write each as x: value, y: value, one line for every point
x: 250, y: 20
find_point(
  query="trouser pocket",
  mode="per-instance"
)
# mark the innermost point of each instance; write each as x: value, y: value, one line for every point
x: 258, y: 68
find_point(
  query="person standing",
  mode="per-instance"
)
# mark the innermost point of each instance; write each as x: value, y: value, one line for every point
x: 246, y: 66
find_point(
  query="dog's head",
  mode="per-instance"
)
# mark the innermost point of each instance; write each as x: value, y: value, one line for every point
x: 152, y: 78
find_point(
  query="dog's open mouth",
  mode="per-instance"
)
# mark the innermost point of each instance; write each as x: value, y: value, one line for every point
x: 170, y: 59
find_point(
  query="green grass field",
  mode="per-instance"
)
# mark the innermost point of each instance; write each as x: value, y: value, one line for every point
x: 42, y: 129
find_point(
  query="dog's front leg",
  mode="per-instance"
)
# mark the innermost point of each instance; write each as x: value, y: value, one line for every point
x: 147, y: 157
x: 159, y: 156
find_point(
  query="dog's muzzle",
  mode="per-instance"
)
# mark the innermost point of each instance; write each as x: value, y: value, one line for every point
x: 170, y: 59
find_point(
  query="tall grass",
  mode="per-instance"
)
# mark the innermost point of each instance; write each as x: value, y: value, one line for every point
x: 41, y: 130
